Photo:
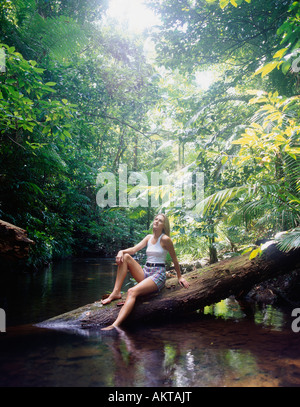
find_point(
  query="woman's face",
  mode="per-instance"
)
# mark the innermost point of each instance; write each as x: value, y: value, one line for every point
x: 158, y: 223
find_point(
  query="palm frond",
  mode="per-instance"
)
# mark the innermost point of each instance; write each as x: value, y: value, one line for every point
x: 292, y: 172
x: 60, y: 36
x: 289, y: 240
x: 263, y: 205
x: 219, y: 199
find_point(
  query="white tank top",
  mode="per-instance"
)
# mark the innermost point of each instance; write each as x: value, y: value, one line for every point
x: 155, y: 252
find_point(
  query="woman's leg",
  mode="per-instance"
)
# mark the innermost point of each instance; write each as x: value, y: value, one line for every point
x: 135, y: 270
x: 145, y: 287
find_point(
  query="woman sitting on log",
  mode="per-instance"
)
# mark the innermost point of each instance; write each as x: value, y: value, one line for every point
x: 152, y: 277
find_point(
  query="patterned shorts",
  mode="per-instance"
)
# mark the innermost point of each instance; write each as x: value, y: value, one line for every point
x: 157, y: 274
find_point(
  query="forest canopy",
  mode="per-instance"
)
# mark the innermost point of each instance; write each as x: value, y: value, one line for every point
x: 213, y: 88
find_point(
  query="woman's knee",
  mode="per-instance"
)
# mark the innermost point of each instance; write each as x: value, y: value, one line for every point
x: 127, y: 257
x: 131, y: 293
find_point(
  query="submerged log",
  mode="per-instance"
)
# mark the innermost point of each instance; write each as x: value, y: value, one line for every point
x: 208, y: 285
x: 14, y: 243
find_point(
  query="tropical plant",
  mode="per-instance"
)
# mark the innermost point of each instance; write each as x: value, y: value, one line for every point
x: 289, y: 240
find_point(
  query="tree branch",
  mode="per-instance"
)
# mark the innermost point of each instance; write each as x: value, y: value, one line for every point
x: 106, y: 116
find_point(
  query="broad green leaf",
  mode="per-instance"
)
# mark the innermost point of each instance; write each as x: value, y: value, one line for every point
x: 279, y: 54
x: 279, y: 137
x: 67, y: 134
x: 266, y: 69
x: 223, y: 3
x: 247, y: 250
x: 255, y: 253
x: 292, y: 151
x: 224, y: 159
x: 257, y: 126
x: 286, y: 66
x: 259, y: 99
x: 39, y: 70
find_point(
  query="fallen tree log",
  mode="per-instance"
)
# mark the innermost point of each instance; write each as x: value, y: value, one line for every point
x: 14, y: 243
x: 208, y: 285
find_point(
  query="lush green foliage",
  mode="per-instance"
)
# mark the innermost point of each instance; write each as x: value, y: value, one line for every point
x: 79, y: 97
x: 248, y: 148
x: 65, y: 118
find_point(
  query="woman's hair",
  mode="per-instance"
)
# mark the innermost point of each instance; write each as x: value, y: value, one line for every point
x: 166, y: 228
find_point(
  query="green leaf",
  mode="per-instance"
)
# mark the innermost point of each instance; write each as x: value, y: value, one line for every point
x: 266, y: 69
x: 279, y: 54
x: 285, y: 67
x: 224, y: 159
x: 39, y: 70
x: 289, y: 240
x: 223, y: 3
x: 247, y: 250
x: 255, y: 253
x: 67, y: 134
x: 50, y: 83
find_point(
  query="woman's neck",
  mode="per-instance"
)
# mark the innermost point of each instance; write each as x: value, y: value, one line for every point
x: 156, y: 234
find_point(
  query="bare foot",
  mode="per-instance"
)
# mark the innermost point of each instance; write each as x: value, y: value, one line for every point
x: 111, y: 298
x: 108, y: 328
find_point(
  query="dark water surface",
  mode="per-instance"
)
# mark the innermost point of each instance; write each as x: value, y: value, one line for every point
x: 225, y: 345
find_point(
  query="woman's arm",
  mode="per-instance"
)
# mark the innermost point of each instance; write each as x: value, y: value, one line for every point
x: 168, y: 245
x: 132, y: 250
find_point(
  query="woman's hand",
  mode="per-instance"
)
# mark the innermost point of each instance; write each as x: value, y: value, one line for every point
x: 182, y: 281
x: 120, y: 257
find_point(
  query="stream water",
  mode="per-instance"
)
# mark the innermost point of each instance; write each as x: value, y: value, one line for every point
x: 225, y: 345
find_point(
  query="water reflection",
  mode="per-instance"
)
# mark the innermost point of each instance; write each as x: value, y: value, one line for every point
x: 194, y: 352
x: 59, y: 288
x: 265, y: 315
x: 227, y: 344
x: 200, y: 355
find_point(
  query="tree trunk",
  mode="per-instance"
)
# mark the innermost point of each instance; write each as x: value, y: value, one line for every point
x: 207, y: 286
x: 14, y: 243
